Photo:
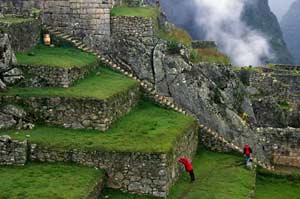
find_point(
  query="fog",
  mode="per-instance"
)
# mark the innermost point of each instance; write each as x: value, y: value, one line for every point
x: 280, y: 7
x: 243, y: 45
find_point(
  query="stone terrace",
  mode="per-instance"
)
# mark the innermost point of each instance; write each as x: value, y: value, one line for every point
x: 139, y: 153
x: 93, y: 103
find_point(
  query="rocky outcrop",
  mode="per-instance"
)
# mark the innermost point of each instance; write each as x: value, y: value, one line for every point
x: 290, y: 25
x: 8, y: 74
x: 213, y: 93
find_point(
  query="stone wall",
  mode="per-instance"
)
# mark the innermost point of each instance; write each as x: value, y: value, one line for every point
x: 203, y: 44
x: 46, y: 76
x: 210, y: 142
x: 281, y: 145
x: 20, y: 7
x: 134, y: 172
x: 77, y: 113
x: 133, y: 44
x: 12, y: 152
x: 23, y: 35
x: 131, y: 3
x: 88, y: 20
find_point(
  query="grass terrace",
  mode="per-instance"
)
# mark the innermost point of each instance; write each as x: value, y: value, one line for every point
x: 13, y: 20
x: 43, y: 181
x: 147, y: 11
x: 63, y: 57
x: 147, y: 128
x: 218, y: 176
x: 102, y: 86
x: 211, y: 55
x: 276, y: 188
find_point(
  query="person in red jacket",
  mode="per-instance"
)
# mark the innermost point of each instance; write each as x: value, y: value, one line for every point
x: 188, y: 167
x: 247, y: 152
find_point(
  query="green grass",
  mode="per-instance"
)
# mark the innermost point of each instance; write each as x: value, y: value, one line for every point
x: 43, y: 181
x: 56, y: 57
x: 11, y: 20
x: 148, y: 11
x: 102, y: 86
x: 175, y: 34
x: 218, y: 176
x: 273, y: 187
x: 147, y: 128
x: 211, y: 55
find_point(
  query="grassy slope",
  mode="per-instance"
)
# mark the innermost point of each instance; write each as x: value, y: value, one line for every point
x: 12, y: 20
x: 210, y: 55
x: 147, y: 128
x: 43, y: 181
x: 149, y: 11
x: 276, y: 188
x: 218, y: 176
x: 102, y: 86
x: 56, y: 57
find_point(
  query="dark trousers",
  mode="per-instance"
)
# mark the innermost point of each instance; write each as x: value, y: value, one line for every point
x: 192, y: 175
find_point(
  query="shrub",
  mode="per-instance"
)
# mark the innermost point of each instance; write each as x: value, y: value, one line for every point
x: 173, y: 47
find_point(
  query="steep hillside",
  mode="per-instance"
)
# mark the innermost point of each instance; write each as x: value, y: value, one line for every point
x: 257, y: 15
x: 290, y: 25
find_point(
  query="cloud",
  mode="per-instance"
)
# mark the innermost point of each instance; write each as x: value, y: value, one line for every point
x: 222, y: 22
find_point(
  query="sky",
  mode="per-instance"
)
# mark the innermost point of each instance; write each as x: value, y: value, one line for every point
x: 280, y: 7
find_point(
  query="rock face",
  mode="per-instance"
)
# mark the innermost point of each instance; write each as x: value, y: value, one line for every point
x: 258, y: 16
x: 213, y: 93
x: 8, y: 74
x: 290, y: 25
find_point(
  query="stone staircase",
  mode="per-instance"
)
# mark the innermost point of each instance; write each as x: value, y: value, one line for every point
x: 162, y: 100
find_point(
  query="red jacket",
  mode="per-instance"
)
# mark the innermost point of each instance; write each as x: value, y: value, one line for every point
x: 187, y: 164
x: 247, y: 150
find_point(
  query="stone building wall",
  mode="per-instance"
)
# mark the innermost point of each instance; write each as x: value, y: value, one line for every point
x: 134, y: 172
x: 77, y: 113
x: 133, y: 44
x: 45, y: 76
x: 24, y: 35
x: 281, y: 145
x: 88, y: 20
x: 12, y: 152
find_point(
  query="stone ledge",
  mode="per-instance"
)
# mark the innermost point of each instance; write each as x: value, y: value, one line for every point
x: 78, y: 113
x: 133, y: 172
x: 48, y: 76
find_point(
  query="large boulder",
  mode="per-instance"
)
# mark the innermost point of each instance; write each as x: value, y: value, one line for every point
x: 8, y: 74
x: 213, y: 93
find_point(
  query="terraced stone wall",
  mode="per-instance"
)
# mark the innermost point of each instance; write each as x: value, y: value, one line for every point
x: 45, y: 76
x: 12, y: 152
x: 282, y: 145
x: 24, y: 35
x: 210, y: 142
x: 134, y: 172
x: 78, y: 113
x: 133, y: 44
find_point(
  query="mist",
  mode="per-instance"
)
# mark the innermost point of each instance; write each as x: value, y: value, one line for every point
x: 222, y: 23
x: 280, y: 7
